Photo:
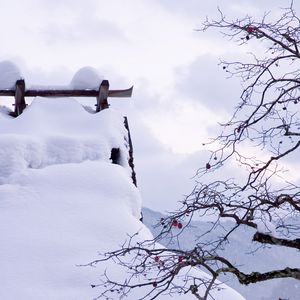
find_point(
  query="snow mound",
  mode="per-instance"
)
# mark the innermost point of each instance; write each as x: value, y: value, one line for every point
x: 86, y: 78
x: 9, y: 74
x: 266, y: 227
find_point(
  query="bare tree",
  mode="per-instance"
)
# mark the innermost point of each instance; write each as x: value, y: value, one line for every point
x: 265, y: 121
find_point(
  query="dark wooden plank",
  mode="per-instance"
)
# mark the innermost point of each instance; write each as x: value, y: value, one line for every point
x: 7, y: 92
x: 61, y: 93
x: 69, y: 93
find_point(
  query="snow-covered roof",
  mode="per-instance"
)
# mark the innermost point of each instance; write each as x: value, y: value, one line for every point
x: 58, y: 131
x: 62, y: 200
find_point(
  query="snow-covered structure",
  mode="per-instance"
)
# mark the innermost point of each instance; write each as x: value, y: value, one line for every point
x: 62, y: 200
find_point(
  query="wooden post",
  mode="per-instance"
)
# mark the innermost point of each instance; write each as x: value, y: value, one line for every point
x: 102, y: 97
x: 20, y: 103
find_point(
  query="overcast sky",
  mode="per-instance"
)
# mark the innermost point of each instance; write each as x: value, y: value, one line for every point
x: 180, y: 92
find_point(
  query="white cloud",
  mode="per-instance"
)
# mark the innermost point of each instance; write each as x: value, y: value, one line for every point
x: 205, y: 82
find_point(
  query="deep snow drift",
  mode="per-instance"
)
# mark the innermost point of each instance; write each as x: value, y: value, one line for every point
x: 62, y: 201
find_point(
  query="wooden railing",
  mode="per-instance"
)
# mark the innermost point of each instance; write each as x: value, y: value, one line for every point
x: 101, y: 94
x: 20, y: 92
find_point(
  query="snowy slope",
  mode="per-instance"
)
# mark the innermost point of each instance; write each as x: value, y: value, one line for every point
x: 240, y: 251
x: 62, y: 201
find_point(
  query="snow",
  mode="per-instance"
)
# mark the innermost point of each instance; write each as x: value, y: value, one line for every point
x: 9, y: 74
x: 38, y: 138
x: 238, y: 250
x: 266, y: 227
x: 86, y: 78
x: 62, y: 201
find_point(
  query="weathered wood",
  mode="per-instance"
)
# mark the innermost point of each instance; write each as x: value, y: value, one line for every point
x: 130, y: 152
x: 103, y: 95
x: 120, y: 93
x: 69, y: 93
x: 20, y: 103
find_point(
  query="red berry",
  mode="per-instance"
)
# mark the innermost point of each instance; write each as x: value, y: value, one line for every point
x: 156, y: 258
x: 175, y: 223
x: 208, y: 166
x: 179, y: 225
x: 249, y: 29
x: 154, y: 284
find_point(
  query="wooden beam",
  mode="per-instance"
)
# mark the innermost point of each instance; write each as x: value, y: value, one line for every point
x: 102, y: 94
x: 69, y: 93
x: 120, y: 93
